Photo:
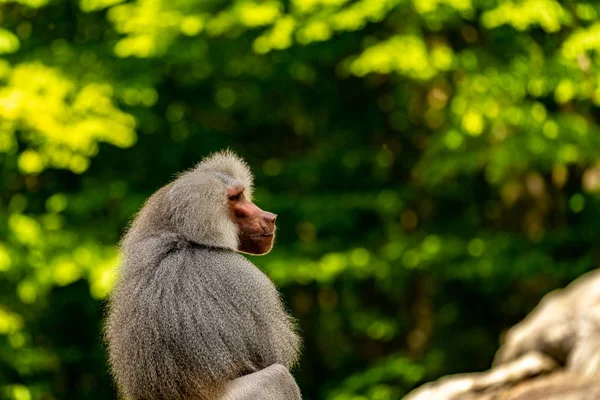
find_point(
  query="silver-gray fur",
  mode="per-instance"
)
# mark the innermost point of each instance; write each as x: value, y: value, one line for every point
x: 189, y: 314
x: 272, y: 383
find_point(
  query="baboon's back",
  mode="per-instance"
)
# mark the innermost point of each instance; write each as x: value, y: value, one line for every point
x: 192, y: 319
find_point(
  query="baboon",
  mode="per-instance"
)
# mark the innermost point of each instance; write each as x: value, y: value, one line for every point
x: 189, y: 313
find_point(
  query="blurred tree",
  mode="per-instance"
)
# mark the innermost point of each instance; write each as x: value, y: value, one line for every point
x: 435, y: 165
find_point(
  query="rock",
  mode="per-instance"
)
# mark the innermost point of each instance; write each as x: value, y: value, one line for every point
x: 554, y: 353
x: 481, y: 385
x: 565, y: 325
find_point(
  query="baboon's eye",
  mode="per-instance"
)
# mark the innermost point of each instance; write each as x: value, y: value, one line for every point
x: 235, y: 197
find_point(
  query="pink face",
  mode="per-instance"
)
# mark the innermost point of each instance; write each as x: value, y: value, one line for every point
x: 256, y: 227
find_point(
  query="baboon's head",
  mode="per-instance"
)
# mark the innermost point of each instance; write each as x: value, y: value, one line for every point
x: 212, y: 205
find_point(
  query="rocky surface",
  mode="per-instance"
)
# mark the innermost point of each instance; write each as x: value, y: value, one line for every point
x: 552, y: 354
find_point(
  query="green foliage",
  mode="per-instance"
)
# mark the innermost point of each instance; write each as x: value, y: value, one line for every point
x: 435, y: 165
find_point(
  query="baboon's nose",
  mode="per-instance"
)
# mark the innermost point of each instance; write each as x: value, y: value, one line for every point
x: 270, y: 217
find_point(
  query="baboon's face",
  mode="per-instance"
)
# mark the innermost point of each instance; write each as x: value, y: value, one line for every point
x: 256, y: 227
